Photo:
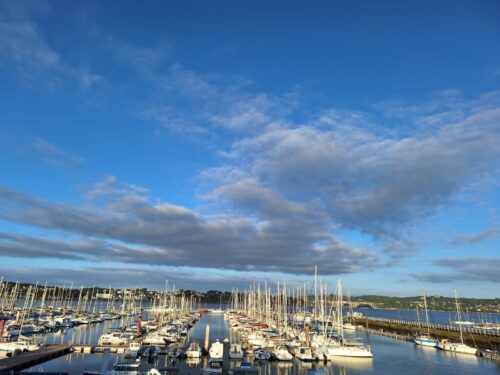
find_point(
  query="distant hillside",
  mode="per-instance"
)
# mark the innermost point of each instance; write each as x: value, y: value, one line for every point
x: 433, y: 303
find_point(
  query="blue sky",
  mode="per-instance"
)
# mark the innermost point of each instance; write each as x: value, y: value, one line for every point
x: 215, y: 144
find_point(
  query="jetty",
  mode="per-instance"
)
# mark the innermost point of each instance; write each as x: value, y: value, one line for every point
x: 473, y: 336
x: 26, y: 360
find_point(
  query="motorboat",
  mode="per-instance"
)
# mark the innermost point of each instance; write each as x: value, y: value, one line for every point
x: 23, y: 343
x: 304, y: 354
x: 261, y: 354
x: 194, y: 350
x: 114, y: 338
x: 425, y: 340
x: 133, y: 349
x: 216, y: 350
x: 281, y: 353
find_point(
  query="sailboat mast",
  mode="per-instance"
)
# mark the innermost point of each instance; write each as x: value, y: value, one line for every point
x: 426, y: 315
x: 315, y: 293
x: 458, y: 314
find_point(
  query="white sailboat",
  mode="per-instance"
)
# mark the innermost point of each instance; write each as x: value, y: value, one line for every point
x: 340, y: 348
x: 425, y: 339
x: 457, y: 347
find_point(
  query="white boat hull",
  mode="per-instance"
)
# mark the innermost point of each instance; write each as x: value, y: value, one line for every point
x: 348, y: 351
x: 457, y: 348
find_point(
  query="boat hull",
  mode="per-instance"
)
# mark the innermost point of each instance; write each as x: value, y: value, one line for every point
x: 458, y: 348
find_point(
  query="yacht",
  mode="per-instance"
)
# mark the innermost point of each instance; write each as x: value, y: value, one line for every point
x: 341, y: 350
x: 216, y: 350
x: 304, y: 354
x: 115, y: 338
x: 133, y: 349
x: 261, y: 354
x: 281, y: 353
x: 457, y: 347
x: 194, y: 350
x: 425, y: 339
x: 23, y: 344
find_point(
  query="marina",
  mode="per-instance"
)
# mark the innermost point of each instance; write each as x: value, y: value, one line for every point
x: 389, y: 354
x: 250, y: 187
x: 281, y: 331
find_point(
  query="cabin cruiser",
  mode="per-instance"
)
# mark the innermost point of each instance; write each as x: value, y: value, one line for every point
x: 281, y: 353
x: 261, y: 354
x: 194, y: 350
x: 425, y: 340
x: 133, y: 349
x: 304, y: 354
x: 115, y: 338
x: 216, y: 350
x: 23, y: 344
x: 154, y: 339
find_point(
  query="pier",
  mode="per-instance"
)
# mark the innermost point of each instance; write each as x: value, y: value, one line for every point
x: 473, y: 336
x: 28, y: 359
x: 381, y: 332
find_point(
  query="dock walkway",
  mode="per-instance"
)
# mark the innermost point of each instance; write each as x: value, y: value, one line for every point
x: 28, y: 359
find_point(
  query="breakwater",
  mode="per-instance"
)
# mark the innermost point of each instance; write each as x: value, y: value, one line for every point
x: 473, y: 336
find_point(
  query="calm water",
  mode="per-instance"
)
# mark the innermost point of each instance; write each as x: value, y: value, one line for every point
x: 436, y: 317
x: 390, y: 356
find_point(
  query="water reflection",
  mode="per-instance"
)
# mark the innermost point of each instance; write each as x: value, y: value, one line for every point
x: 464, y: 359
x: 365, y: 364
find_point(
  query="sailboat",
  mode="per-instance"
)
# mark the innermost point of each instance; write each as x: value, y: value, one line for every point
x: 348, y: 326
x: 219, y: 310
x: 425, y: 339
x: 340, y: 348
x: 457, y: 347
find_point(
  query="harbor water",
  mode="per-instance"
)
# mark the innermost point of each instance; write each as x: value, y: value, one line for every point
x: 435, y: 317
x: 390, y: 356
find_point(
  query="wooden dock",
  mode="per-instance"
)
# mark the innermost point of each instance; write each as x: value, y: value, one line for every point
x: 28, y: 359
x: 90, y: 349
x: 381, y: 332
